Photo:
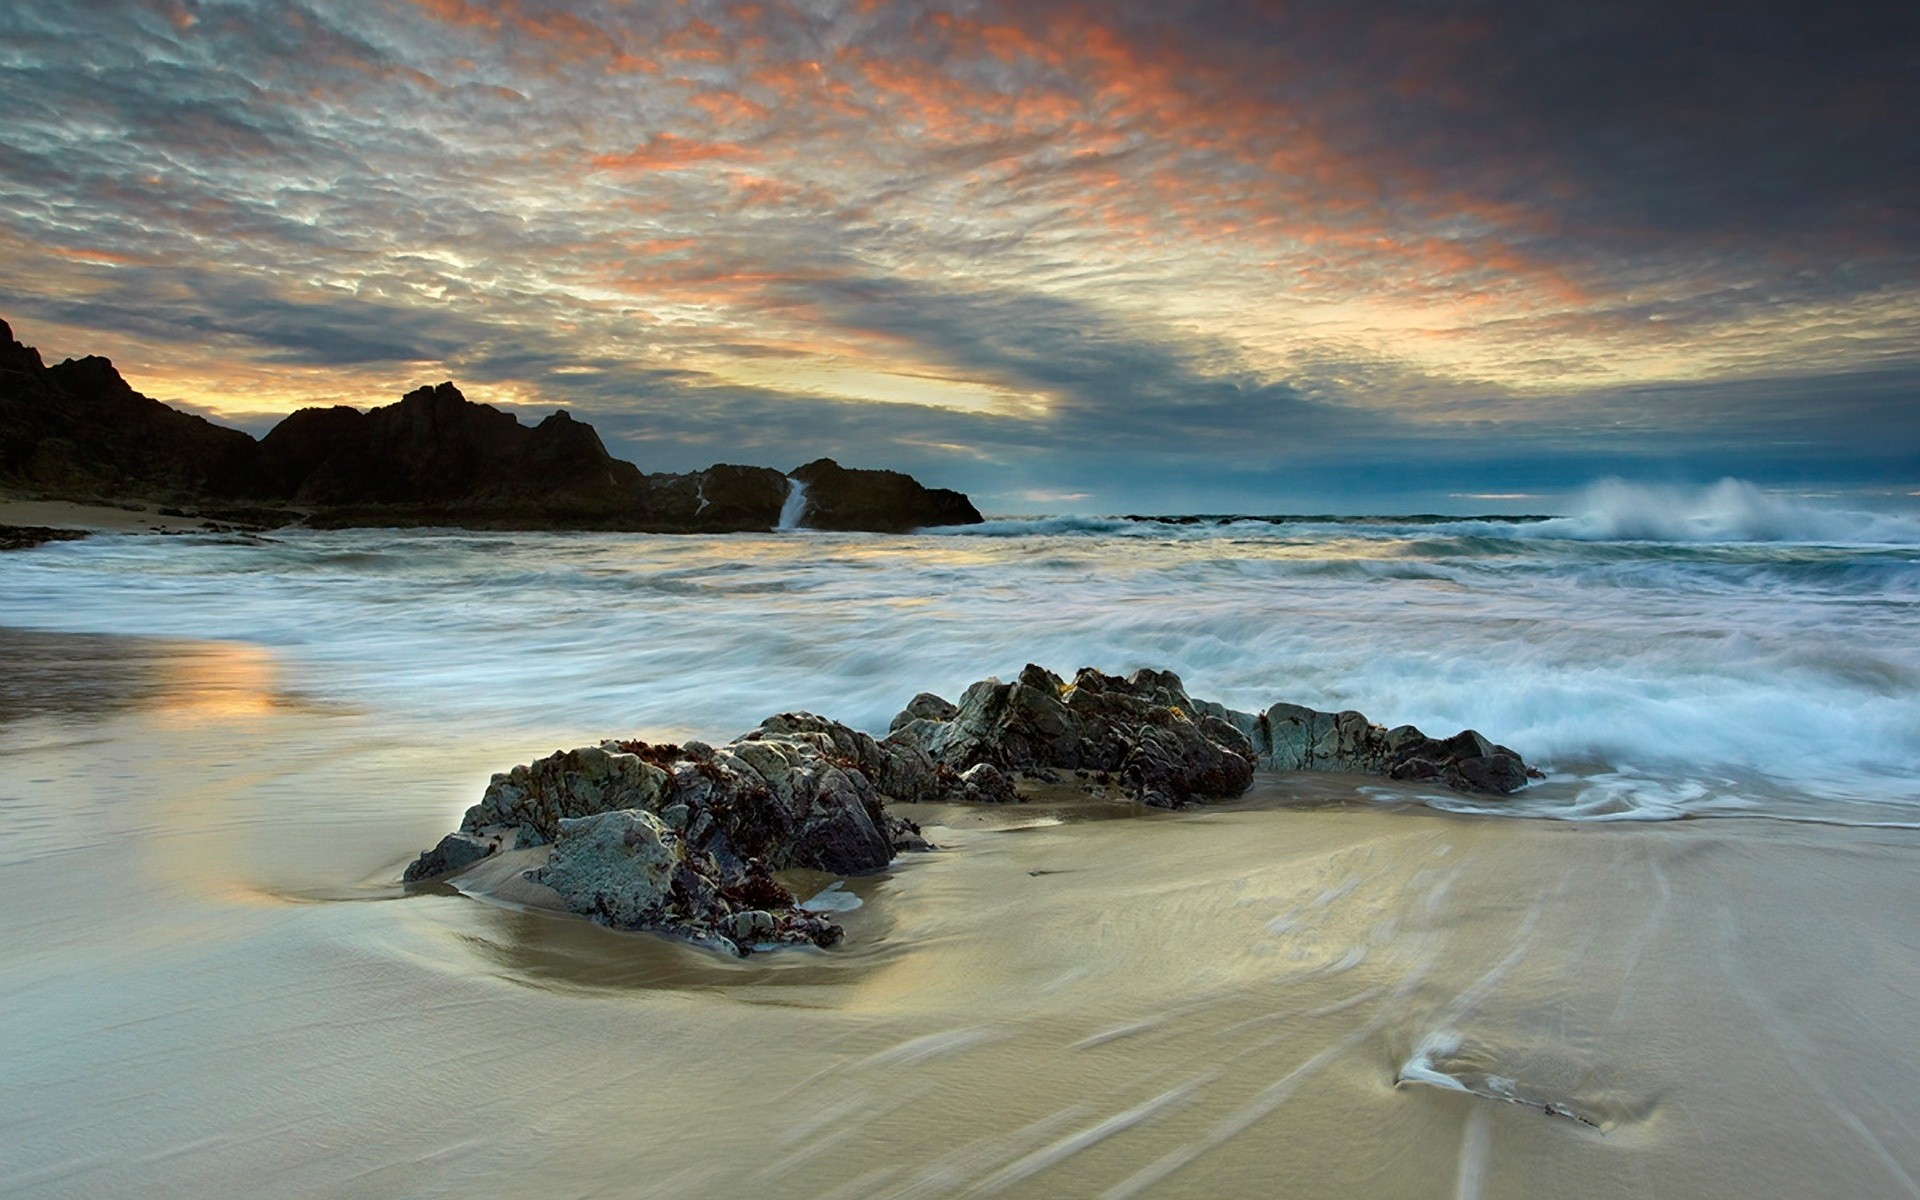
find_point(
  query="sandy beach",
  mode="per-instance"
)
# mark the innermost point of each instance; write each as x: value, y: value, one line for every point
x: 217, y: 987
x: 134, y: 517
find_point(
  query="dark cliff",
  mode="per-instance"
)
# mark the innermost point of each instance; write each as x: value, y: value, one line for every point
x: 882, y: 501
x: 77, y: 431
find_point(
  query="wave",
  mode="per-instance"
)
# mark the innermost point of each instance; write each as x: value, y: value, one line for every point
x: 1732, y: 510
x: 1608, y: 510
x: 1654, y: 679
x: 1006, y: 527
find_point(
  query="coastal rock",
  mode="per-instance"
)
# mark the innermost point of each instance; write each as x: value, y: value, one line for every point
x: 1292, y: 738
x: 77, y: 431
x: 686, y: 838
x: 454, y: 852
x: 724, y: 498
x: 25, y: 537
x: 435, y: 455
x: 627, y: 868
x: 1143, y: 729
x: 845, y: 498
x: 800, y: 791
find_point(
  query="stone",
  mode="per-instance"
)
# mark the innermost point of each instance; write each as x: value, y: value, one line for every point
x: 983, y: 783
x: 1143, y: 728
x: 686, y: 839
x: 615, y: 865
x: 925, y: 707
x: 454, y: 852
x: 1293, y: 738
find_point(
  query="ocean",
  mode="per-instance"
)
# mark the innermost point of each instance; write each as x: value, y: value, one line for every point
x: 1659, y: 654
x: 1681, y: 964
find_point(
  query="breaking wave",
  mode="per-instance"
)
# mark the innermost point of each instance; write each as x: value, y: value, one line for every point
x: 1718, y: 671
x: 1732, y: 510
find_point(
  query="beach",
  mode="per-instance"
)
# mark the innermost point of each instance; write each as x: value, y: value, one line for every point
x: 1332, y: 985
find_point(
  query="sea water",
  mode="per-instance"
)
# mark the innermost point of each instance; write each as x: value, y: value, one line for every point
x: 215, y: 985
x: 1658, y: 653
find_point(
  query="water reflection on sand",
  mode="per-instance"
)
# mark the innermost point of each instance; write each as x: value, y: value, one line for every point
x: 215, y: 987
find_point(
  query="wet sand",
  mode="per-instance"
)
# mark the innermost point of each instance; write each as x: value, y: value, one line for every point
x: 93, y: 518
x: 216, y: 988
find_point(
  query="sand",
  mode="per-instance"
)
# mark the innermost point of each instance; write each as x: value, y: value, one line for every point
x: 216, y: 988
x: 133, y: 517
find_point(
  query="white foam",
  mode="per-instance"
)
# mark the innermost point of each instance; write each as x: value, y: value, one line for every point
x: 793, y: 510
x: 1652, y: 680
x: 832, y: 898
x: 1731, y: 510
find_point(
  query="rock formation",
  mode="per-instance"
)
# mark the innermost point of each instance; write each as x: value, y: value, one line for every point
x: 686, y: 838
x: 26, y: 537
x: 77, y: 431
x: 882, y: 501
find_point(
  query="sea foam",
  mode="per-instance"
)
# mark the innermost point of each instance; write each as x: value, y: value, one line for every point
x: 1652, y: 678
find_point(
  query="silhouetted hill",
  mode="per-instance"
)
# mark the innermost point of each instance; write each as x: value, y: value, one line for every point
x: 883, y: 501
x: 77, y: 431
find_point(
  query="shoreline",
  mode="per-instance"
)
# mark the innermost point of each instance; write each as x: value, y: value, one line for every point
x: 205, y: 939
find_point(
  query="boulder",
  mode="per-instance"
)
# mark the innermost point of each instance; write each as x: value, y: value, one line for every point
x: 1144, y: 729
x: 1292, y: 738
x: 629, y: 869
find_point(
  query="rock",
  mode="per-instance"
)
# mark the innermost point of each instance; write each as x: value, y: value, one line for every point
x: 752, y: 925
x: 925, y: 707
x: 437, y: 456
x: 25, y: 537
x: 879, y: 501
x: 77, y: 431
x: 983, y: 783
x: 686, y: 838
x: 455, y: 852
x: 1142, y: 728
x: 626, y: 868
x: 1301, y: 739
x: 616, y: 865
x: 721, y: 499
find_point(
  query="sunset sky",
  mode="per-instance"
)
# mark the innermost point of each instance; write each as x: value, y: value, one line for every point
x: 1095, y: 257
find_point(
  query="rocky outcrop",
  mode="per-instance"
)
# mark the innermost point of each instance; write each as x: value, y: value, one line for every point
x: 845, y: 498
x: 1292, y: 738
x: 25, y: 537
x: 799, y: 791
x: 686, y: 838
x: 438, y: 457
x: 1143, y: 730
x: 77, y: 431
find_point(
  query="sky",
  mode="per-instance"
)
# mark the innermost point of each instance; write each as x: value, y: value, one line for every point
x: 1186, y: 255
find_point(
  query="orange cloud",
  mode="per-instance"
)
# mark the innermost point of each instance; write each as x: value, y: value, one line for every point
x: 671, y: 152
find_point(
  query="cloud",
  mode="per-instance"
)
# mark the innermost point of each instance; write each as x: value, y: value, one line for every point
x: 1177, y: 245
